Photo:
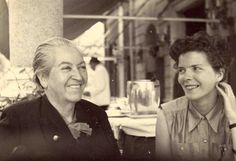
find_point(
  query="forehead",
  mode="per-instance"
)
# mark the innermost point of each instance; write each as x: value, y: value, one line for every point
x: 66, y: 54
x: 193, y: 58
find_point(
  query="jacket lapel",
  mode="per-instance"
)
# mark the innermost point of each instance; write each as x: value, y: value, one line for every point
x: 53, y: 126
x: 99, y: 137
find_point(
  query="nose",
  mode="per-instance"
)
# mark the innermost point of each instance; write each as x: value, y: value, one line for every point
x: 187, y: 75
x: 76, y: 74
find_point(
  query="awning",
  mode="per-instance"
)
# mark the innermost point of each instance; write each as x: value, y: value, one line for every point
x: 75, y: 27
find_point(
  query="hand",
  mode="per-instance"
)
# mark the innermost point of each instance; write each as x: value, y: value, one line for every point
x: 229, y: 101
x: 87, y: 93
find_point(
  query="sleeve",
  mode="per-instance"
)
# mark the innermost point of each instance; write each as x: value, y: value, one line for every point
x: 113, y: 146
x: 162, y: 142
x: 8, y: 136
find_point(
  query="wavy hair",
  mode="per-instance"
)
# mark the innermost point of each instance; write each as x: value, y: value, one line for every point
x: 42, y: 62
x: 216, y: 49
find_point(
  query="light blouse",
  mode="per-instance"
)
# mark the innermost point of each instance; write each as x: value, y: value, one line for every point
x: 182, y: 133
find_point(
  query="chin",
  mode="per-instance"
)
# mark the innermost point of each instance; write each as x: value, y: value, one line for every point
x: 74, y: 98
x: 192, y: 97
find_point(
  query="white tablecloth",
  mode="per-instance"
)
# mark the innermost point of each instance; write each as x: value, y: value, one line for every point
x: 143, y: 127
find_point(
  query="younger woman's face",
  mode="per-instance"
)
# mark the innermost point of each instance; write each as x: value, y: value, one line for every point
x: 196, y: 75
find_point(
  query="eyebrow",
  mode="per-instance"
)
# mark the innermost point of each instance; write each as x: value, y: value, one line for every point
x: 68, y: 63
x: 194, y: 65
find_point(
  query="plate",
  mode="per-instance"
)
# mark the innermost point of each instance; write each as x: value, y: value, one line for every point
x: 121, y: 115
x: 115, y: 113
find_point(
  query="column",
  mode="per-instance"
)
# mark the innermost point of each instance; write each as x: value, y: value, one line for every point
x: 31, y: 22
x: 4, y: 29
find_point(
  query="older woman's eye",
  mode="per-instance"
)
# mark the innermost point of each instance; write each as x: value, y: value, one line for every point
x: 66, y: 68
x: 82, y: 67
x: 195, y: 68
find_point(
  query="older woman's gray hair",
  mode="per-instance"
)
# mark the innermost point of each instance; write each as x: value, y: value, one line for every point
x: 42, y: 62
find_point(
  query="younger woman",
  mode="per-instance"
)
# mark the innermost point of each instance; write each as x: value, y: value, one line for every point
x: 200, y: 125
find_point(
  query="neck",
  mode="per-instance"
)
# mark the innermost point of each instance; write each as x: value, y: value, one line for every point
x: 206, y: 104
x: 65, y: 109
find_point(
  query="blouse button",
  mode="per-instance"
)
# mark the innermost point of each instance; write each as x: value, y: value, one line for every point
x: 205, y: 141
x: 181, y: 148
x: 55, y: 137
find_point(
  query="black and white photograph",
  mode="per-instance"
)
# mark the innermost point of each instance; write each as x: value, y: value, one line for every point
x: 117, y: 80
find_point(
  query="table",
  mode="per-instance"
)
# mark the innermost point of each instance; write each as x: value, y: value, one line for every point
x: 142, y: 127
x: 135, y: 135
x: 136, y: 125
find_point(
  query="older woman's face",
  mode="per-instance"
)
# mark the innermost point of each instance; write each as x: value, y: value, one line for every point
x: 68, y: 76
x: 196, y: 76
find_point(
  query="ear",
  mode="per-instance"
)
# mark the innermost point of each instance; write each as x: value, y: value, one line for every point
x: 220, y: 74
x: 43, y: 80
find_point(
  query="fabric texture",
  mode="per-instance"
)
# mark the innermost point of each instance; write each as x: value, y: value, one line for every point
x: 34, y: 130
x: 193, y: 136
x: 77, y: 128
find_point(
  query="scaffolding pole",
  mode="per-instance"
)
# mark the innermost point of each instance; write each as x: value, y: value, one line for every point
x: 135, y: 18
x: 131, y: 52
x: 121, y: 69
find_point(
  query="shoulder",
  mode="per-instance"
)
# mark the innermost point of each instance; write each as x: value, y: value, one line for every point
x: 90, y: 107
x: 175, y: 105
x: 175, y: 112
x: 93, y: 114
x: 175, y: 109
x: 24, y: 106
x: 21, y: 111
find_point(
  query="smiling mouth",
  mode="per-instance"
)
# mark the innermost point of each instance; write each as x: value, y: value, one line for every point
x: 75, y: 86
x: 191, y: 87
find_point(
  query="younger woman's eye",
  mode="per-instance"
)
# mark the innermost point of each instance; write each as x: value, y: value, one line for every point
x: 181, y: 70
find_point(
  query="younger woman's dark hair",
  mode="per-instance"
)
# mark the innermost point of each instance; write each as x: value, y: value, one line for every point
x: 216, y: 49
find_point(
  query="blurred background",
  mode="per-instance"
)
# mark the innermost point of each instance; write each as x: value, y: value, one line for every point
x: 131, y: 37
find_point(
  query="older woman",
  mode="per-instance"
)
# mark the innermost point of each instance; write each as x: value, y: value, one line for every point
x: 199, y: 126
x: 59, y: 125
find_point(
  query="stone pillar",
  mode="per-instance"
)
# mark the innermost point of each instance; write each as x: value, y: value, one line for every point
x: 31, y: 22
x: 4, y: 29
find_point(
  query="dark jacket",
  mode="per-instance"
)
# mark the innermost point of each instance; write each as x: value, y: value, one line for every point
x: 34, y: 130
